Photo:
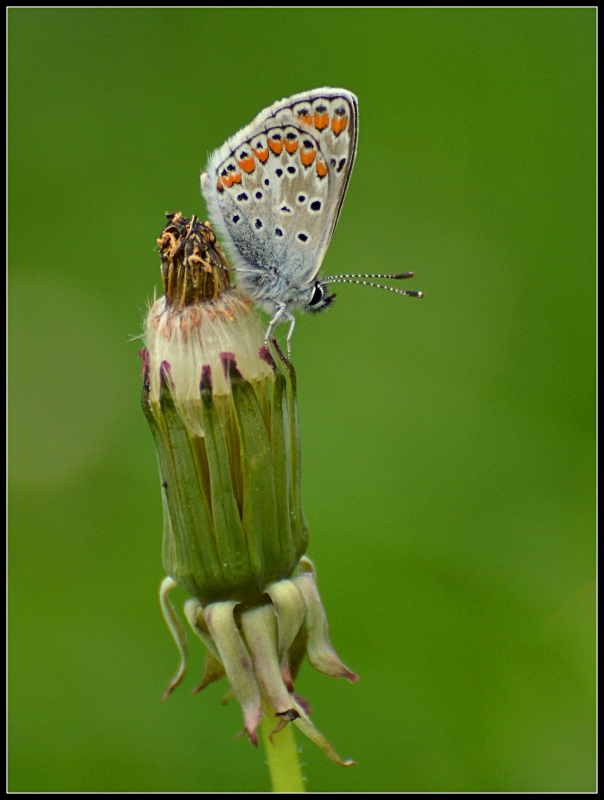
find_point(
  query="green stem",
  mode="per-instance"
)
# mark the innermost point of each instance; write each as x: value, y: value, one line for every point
x: 282, y: 755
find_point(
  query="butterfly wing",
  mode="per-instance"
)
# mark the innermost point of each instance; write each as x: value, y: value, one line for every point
x: 274, y: 190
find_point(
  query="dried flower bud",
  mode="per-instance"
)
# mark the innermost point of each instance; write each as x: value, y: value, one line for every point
x: 199, y: 317
x: 224, y: 418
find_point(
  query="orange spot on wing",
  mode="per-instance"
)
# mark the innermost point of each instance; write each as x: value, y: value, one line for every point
x: 227, y: 181
x: 307, y: 119
x: 261, y: 154
x: 321, y: 169
x: 276, y: 147
x: 307, y: 157
x: 247, y: 164
x: 291, y: 147
x: 338, y: 124
x: 321, y: 121
x: 219, y: 185
x: 237, y: 177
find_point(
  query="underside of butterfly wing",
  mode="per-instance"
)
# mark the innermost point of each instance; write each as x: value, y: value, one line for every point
x: 275, y: 190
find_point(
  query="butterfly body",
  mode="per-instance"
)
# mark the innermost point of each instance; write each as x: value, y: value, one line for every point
x: 274, y: 192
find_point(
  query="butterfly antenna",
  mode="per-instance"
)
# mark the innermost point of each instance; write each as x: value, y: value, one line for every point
x: 396, y: 276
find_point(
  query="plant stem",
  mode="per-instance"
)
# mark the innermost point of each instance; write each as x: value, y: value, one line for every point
x: 282, y: 755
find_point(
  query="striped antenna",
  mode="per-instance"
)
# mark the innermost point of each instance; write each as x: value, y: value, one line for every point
x: 353, y: 279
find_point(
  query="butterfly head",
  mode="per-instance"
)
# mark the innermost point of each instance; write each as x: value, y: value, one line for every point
x: 319, y: 298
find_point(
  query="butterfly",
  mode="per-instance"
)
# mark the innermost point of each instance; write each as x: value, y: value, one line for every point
x: 274, y: 192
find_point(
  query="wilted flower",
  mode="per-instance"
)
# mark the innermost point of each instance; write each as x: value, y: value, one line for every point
x: 223, y: 414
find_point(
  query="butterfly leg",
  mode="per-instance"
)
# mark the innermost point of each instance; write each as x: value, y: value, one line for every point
x: 290, y: 333
x: 274, y: 322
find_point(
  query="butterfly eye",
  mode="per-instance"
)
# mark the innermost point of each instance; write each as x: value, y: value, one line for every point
x: 317, y: 295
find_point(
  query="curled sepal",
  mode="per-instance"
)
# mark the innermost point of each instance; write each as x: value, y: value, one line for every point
x: 260, y: 628
x: 290, y: 609
x: 306, y: 565
x: 176, y: 629
x: 227, y: 698
x: 194, y: 613
x: 292, y: 661
x: 303, y: 723
x: 236, y: 660
x: 213, y: 669
x: 319, y: 649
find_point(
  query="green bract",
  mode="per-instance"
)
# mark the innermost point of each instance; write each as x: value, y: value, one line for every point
x: 223, y: 415
x: 233, y: 523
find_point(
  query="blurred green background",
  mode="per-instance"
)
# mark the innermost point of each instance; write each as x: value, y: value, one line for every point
x: 448, y: 443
